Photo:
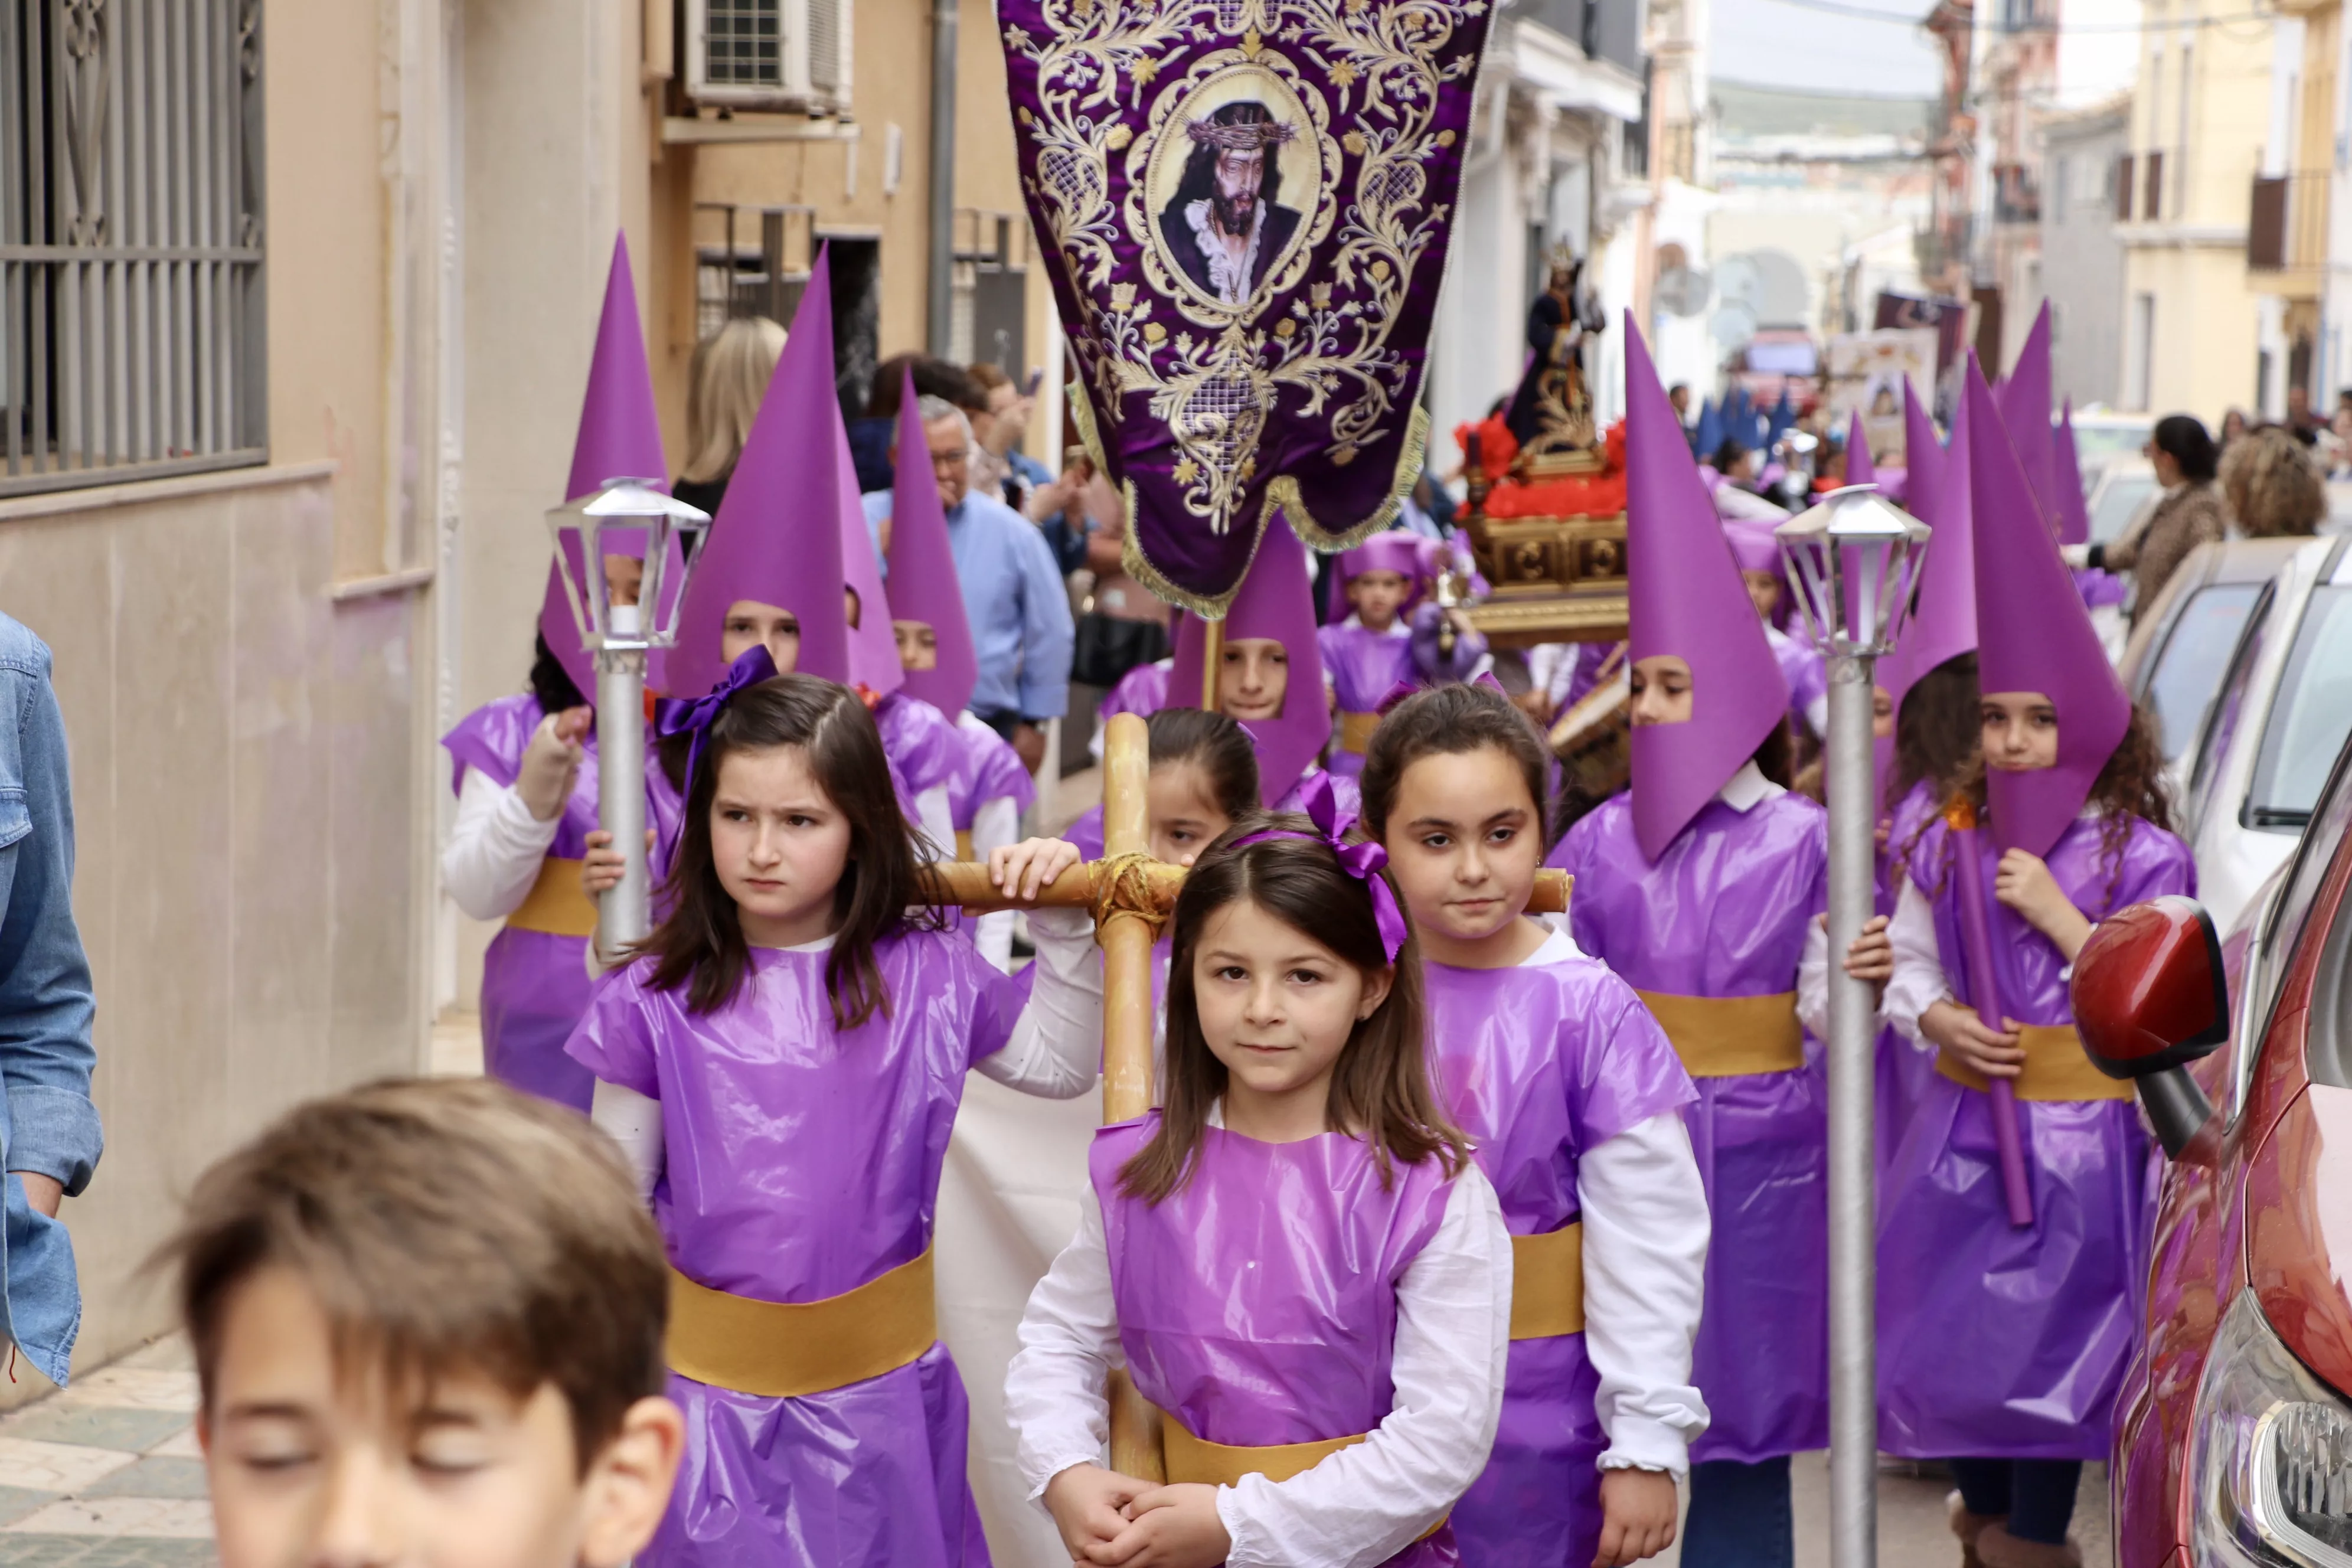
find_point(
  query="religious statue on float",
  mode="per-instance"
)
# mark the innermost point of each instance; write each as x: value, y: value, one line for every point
x: 1552, y: 410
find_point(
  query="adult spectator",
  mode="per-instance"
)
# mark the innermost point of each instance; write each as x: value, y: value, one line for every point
x: 2233, y: 428
x: 998, y: 427
x: 724, y: 384
x: 2189, y: 513
x: 1013, y: 593
x: 2272, y: 485
x: 870, y: 438
x: 49, y: 1137
x: 2302, y: 422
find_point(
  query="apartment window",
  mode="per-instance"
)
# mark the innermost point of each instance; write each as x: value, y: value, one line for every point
x: 131, y: 240
x: 2123, y: 188
x: 2061, y: 188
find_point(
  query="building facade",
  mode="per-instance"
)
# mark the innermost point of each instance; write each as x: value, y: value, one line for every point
x: 2082, y: 259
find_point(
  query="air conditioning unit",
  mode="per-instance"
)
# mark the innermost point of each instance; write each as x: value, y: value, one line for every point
x: 788, y: 56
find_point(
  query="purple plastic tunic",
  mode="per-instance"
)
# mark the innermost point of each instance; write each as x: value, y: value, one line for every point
x: 1142, y: 691
x: 1994, y: 1340
x: 991, y: 769
x: 1257, y: 1304
x: 1903, y: 1068
x: 919, y: 741
x: 535, y: 984
x: 800, y: 1163
x: 1724, y: 912
x: 1807, y: 675
x: 1364, y: 666
x: 1538, y: 1064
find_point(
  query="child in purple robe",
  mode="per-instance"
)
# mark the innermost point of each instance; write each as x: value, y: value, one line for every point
x: 1700, y: 887
x: 1295, y: 1260
x: 1379, y: 644
x: 1572, y: 1097
x: 2003, y: 1347
x: 1142, y: 691
x: 781, y: 1061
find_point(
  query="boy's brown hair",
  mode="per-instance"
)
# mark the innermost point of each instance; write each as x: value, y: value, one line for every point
x: 445, y: 1226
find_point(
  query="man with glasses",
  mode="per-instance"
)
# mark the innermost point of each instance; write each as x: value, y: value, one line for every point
x: 1012, y: 593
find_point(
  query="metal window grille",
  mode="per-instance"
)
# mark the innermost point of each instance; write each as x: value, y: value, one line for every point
x: 132, y: 326
x: 746, y: 43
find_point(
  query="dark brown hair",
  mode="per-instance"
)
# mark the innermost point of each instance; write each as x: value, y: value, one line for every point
x: 1449, y: 720
x: 1939, y: 726
x: 1215, y: 745
x: 445, y: 1227
x: 1381, y: 1092
x: 700, y: 944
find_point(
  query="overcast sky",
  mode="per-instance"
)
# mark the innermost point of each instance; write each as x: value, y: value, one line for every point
x: 1772, y: 43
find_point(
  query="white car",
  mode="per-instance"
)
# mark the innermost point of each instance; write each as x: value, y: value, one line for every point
x: 2265, y: 745
x: 2126, y: 488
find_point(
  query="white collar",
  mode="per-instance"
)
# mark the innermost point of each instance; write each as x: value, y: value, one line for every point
x: 1397, y: 628
x: 1748, y: 788
x: 822, y: 944
x: 1228, y: 281
x: 1559, y: 947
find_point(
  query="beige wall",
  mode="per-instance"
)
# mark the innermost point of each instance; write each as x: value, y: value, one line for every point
x: 242, y: 755
x: 2203, y: 362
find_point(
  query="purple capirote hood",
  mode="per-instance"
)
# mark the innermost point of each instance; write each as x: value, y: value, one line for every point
x: 1396, y: 550
x: 1276, y: 600
x: 620, y: 438
x: 1859, y: 467
x: 873, y: 642
x: 1944, y: 614
x: 1686, y: 600
x: 2073, y: 515
x: 2023, y: 402
x: 777, y: 537
x: 2033, y: 634
x: 923, y: 581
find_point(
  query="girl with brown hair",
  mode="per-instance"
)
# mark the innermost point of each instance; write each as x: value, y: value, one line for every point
x: 1295, y: 1258
x: 781, y: 1060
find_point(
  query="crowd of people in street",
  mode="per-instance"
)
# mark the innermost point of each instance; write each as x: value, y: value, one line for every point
x: 1458, y: 1231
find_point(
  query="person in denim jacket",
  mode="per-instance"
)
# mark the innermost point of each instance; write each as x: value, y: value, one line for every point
x: 49, y: 1137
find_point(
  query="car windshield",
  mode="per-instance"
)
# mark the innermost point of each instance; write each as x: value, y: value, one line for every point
x: 2097, y: 444
x: 2194, y: 656
x: 2119, y: 503
x: 2309, y: 717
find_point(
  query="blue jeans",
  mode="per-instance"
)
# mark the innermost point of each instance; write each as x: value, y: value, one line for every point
x: 1739, y: 1516
x: 2036, y: 1496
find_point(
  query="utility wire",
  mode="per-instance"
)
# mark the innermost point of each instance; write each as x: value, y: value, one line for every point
x: 1869, y: 13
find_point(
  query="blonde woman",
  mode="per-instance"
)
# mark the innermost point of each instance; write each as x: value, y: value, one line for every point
x: 725, y: 381
x: 2271, y: 484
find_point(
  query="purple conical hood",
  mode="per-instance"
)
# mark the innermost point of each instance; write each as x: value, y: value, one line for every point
x: 2074, y: 517
x: 1859, y: 468
x: 923, y: 583
x: 1276, y: 600
x: 1686, y: 599
x: 777, y: 537
x: 1943, y: 611
x: 2033, y: 634
x: 2023, y: 402
x: 873, y: 644
x: 620, y: 438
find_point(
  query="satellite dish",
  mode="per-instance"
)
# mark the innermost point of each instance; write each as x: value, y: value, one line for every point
x: 1684, y: 292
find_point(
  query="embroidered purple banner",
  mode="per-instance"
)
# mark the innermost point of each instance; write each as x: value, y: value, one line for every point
x: 1244, y: 207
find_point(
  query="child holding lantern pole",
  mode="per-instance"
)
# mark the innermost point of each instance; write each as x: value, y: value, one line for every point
x: 2002, y: 1345
x: 1382, y: 634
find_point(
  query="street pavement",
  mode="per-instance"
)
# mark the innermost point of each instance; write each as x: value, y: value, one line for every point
x: 107, y: 1474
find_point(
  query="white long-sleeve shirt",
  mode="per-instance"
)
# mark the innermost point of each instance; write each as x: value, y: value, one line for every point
x: 1044, y: 1058
x: 1645, y: 1232
x: 495, y: 849
x: 1363, y: 1504
x: 1919, y: 982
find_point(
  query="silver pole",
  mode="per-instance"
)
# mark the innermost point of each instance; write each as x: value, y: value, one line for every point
x: 1853, y: 1072
x: 940, y: 296
x: 624, y: 913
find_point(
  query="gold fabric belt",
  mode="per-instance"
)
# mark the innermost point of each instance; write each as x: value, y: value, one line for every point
x: 555, y: 904
x: 781, y: 1350
x: 963, y: 843
x: 1732, y: 1036
x: 2055, y: 1069
x: 1356, y: 732
x: 1547, y: 1283
x: 1196, y: 1461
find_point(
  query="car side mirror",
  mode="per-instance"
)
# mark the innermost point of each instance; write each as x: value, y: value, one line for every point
x: 2149, y: 996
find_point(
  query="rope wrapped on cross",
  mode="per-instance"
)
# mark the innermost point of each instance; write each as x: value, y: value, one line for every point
x: 1131, y: 896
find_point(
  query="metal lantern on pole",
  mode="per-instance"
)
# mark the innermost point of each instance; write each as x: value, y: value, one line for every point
x: 620, y: 625
x: 1854, y: 559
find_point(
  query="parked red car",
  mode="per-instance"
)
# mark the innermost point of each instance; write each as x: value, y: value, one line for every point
x: 2233, y: 1442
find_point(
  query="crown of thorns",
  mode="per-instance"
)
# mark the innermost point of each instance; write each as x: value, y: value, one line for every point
x: 1245, y: 136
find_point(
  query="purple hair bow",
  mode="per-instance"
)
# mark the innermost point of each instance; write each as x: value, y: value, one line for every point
x: 1363, y: 861
x: 678, y: 715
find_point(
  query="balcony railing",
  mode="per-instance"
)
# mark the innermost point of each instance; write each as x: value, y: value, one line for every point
x: 2286, y: 223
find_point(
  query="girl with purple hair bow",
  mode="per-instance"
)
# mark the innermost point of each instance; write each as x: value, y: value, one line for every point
x: 1293, y: 1257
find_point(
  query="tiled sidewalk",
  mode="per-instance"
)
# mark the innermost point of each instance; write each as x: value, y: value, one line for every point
x: 105, y: 1474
